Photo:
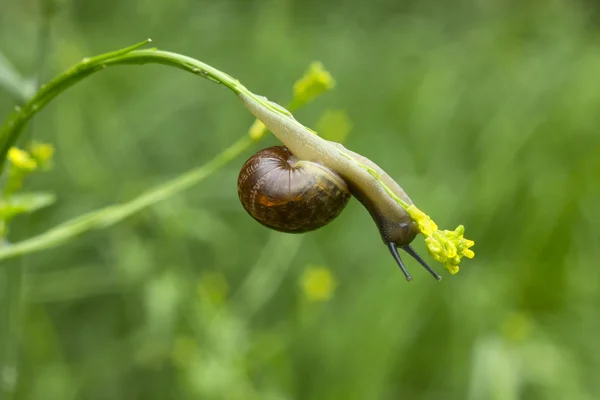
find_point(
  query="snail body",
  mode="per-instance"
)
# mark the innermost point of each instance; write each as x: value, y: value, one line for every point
x: 336, y: 172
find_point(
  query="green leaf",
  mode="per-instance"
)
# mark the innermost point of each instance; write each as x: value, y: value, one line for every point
x: 24, y: 203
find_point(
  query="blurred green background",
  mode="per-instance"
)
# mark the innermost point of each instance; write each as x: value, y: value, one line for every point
x: 486, y: 112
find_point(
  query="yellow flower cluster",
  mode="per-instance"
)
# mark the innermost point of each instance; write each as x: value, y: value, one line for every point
x: 318, y: 284
x: 39, y: 155
x: 42, y: 153
x: 315, y: 82
x: 21, y: 159
x: 446, y: 247
x: 257, y: 130
x: 23, y: 163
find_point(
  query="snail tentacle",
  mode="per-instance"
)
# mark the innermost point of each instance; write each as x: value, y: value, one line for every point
x: 408, y: 248
x: 394, y: 251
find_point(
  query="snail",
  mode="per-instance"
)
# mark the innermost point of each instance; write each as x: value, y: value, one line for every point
x: 290, y: 195
x: 305, y: 184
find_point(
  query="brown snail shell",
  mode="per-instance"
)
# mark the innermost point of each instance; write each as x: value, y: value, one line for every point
x: 290, y: 195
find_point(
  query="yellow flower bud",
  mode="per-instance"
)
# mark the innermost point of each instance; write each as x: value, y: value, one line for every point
x: 42, y: 152
x: 21, y: 159
x: 424, y: 222
x: 453, y: 269
x: 468, y: 253
x: 446, y: 247
x: 318, y: 283
x: 314, y: 82
x: 450, y: 249
x: 257, y: 130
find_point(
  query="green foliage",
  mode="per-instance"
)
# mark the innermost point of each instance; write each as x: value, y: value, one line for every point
x: 13, y: 201
x: 487, y: 115
x: 24, y: 203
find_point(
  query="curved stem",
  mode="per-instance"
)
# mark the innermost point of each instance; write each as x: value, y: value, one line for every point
x: 15, y: 278
x: 12, y: 128
x: 110, y: 215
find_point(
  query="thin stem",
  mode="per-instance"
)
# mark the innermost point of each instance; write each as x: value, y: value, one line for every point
x: 15, y: 277
x: 11, y: 130
x: 11, y: 290
x: 110, y: 215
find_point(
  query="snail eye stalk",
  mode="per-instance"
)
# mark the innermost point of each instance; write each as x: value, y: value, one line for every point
x: 394, y: 251
x: 417, y: 257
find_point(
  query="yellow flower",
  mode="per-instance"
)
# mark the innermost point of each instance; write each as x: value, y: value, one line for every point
x: 314, y: 82
x: 446, y: 247
x: 42, y: 152
x: 425, y: 223
x: 318, y: 283
x: 21, y: 159
x: 257, y: 130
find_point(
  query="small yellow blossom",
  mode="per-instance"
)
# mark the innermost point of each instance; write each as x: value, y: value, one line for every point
x: 314, y: 82
x: 446, y: 247
x: 318, y: 283
x: 257, y: 130
x: 426, y: 224
x: 21, y: 159
x: 42, y: 152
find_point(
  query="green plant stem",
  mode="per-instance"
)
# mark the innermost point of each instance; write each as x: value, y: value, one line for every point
x: 12, y: 128
x: 15, y: 277
x: 110, y: 215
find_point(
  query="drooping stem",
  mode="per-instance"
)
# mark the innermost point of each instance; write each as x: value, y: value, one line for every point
x: 12, y: 128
